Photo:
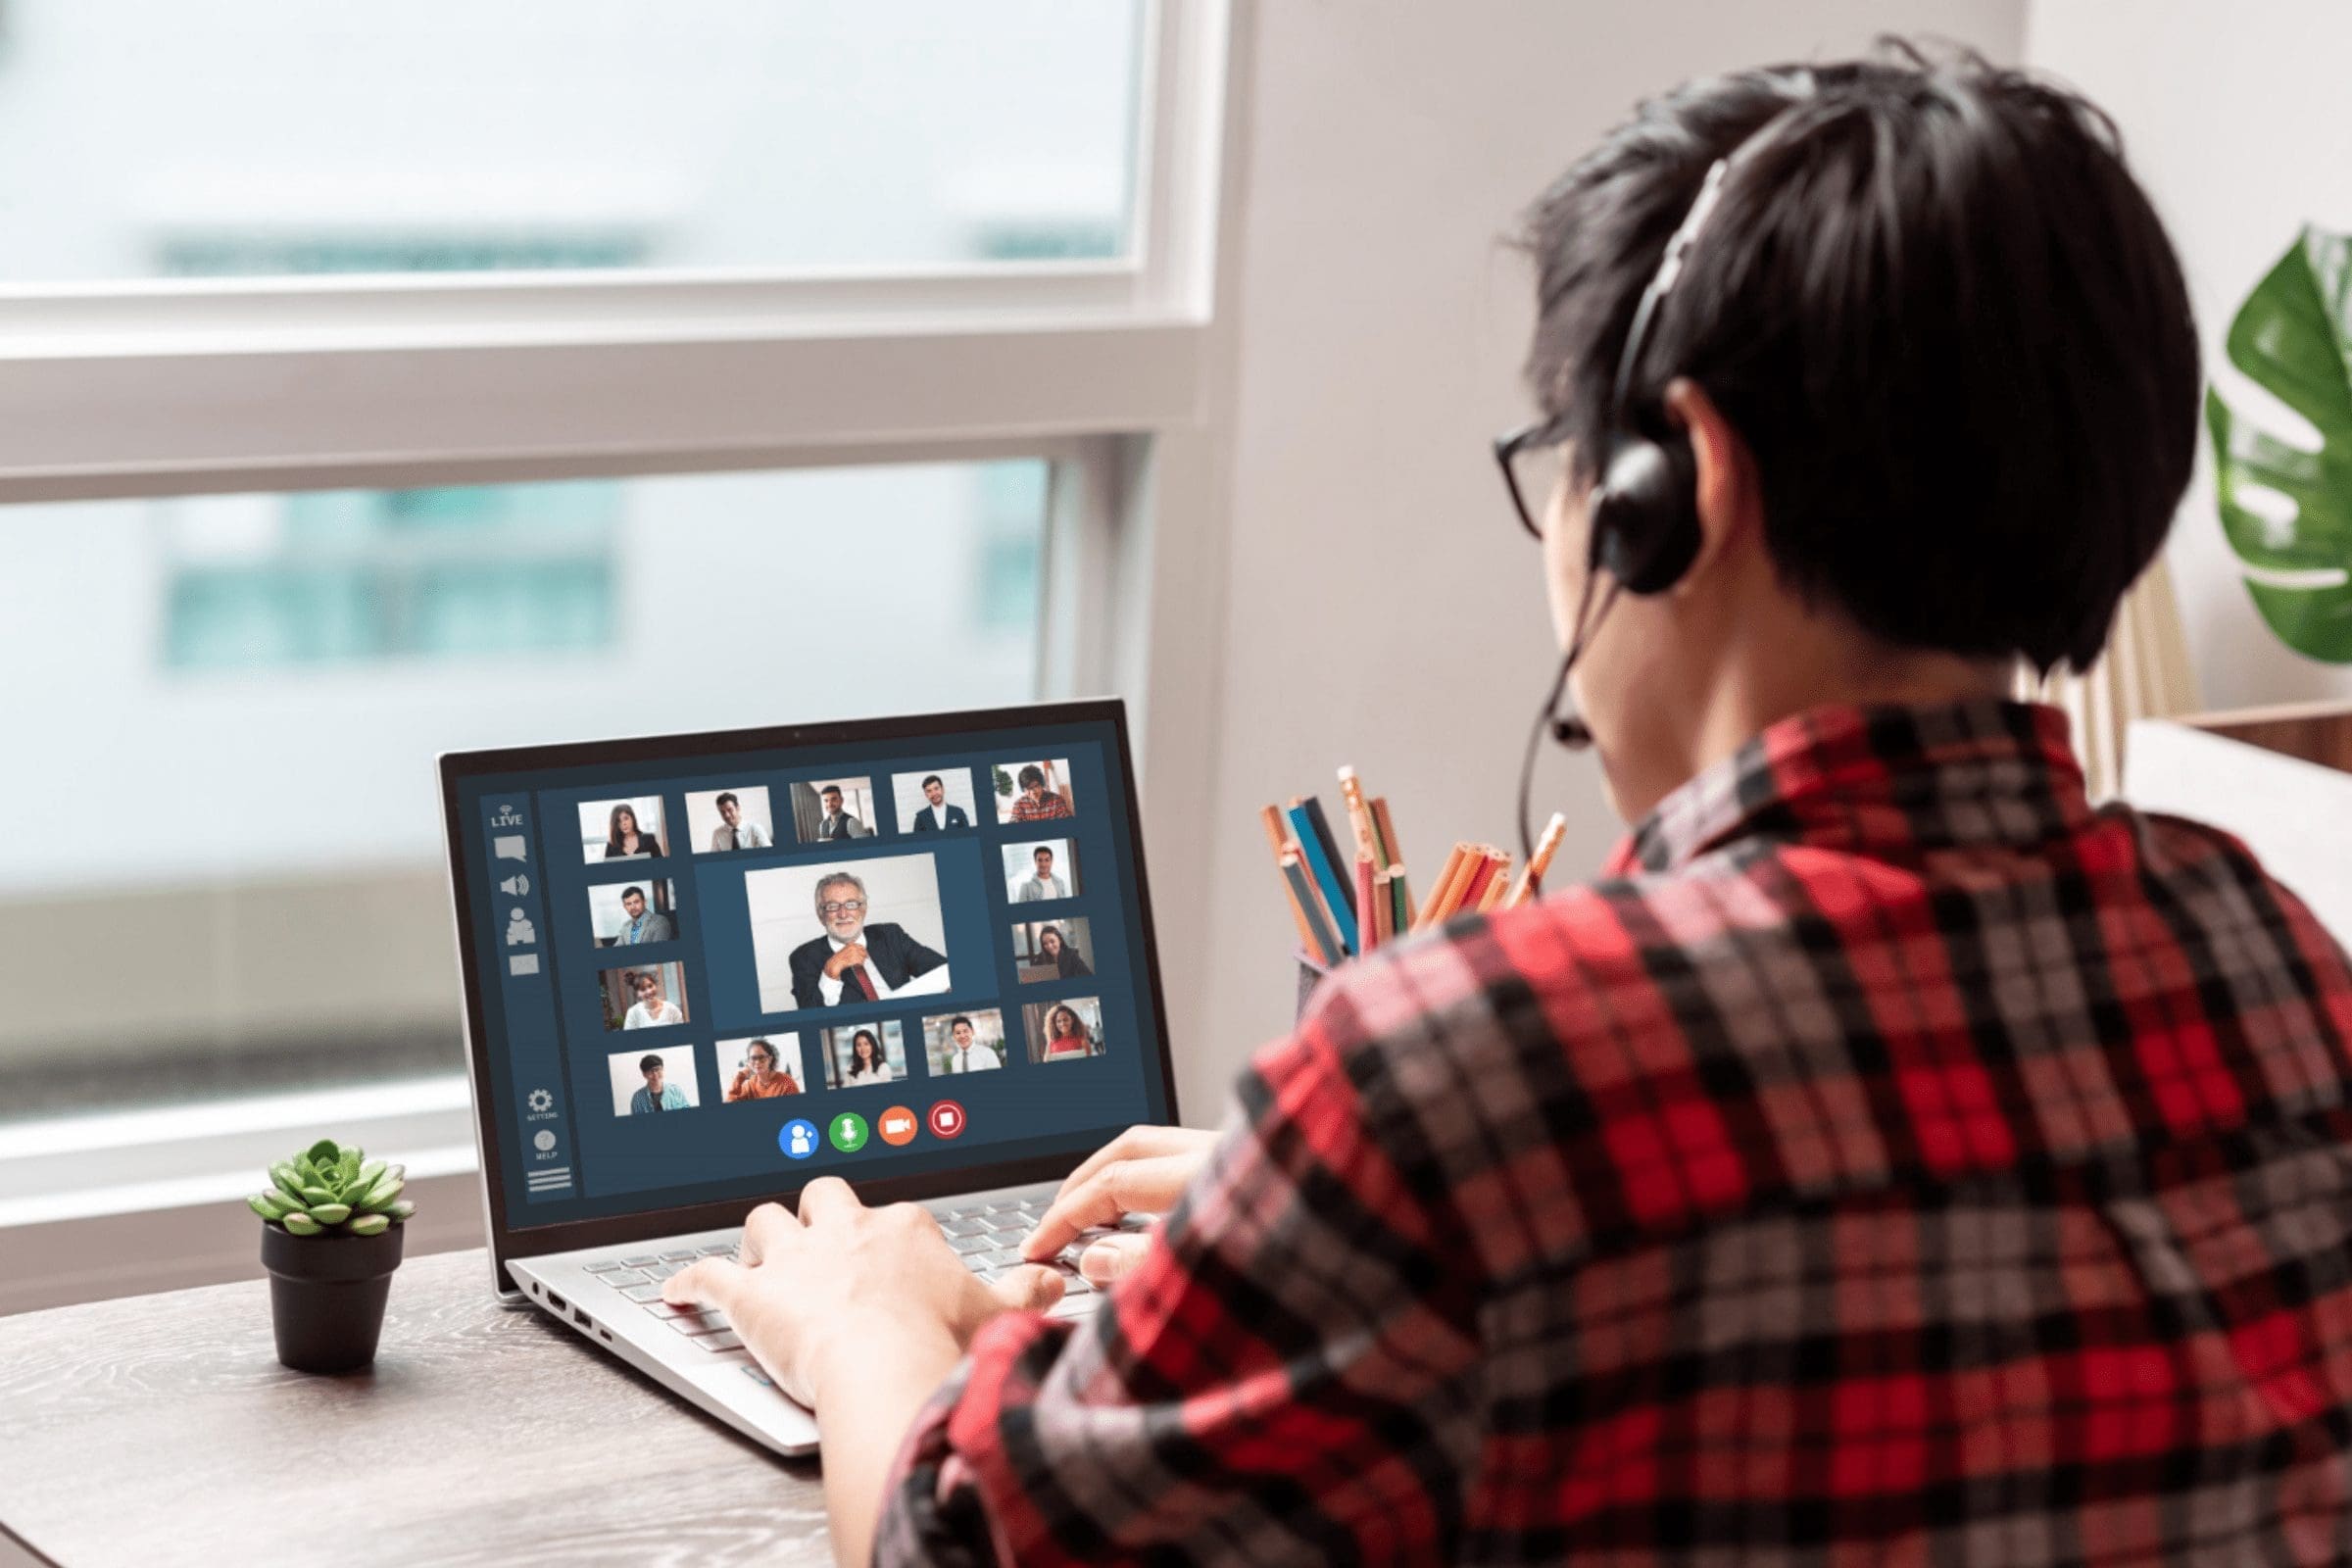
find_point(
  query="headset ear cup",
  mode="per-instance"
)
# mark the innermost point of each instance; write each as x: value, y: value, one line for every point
x: 1644, y: 515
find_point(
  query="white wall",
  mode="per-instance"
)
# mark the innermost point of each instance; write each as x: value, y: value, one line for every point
x: 2234, y: 119
x: 1384, y: 608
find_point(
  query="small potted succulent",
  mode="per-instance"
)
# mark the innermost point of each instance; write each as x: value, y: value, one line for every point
x: 330, y: 1241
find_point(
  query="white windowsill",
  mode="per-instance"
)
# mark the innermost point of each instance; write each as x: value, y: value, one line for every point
x: 118, y: 1162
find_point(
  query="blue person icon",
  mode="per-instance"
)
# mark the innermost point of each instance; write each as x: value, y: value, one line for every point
x: 798, y: 1139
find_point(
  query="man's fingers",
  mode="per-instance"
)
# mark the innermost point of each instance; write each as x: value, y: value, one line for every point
x: 765, y: 1229
x: 1141, y: 1186
x: 827, y: 1199
x: 713, y: 1282
x: 1112, y: 1257
x: 1028, y: 1289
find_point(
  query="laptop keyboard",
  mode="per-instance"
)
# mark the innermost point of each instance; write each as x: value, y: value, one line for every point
x: 986, y: 1236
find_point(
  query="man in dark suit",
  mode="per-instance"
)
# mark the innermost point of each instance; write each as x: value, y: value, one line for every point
x: 853, y: 962
x: 929, y: 818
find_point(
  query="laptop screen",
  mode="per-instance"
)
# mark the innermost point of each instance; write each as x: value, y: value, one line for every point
x: 705, y: 970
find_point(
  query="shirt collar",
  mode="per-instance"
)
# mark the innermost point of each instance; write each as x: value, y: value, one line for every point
x: 1887, y: 779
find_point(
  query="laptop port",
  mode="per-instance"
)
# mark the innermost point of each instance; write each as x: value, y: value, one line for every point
x: 605, y: 1335
x: 580, y: 1317
x: 554, y: 1300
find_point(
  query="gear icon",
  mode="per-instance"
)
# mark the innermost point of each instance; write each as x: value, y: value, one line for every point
x: 542, y: 1101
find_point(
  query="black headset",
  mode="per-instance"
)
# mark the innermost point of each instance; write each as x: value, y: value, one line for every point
x: 1642, y: 514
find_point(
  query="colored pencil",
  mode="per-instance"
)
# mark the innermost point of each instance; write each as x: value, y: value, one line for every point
x: 1449, y: 880
x: 1324, y: 943
x: 1387, y: 828
x: 1531, y: 880
x: 1383, y: 907
x: 1474, y: 886
x: 1279, y: 840
x: 1359, y: 816
x: 1340, y: 860
x: 1326, y: 875
x: 1367, y: 927
x: 1401, y: 901
x: 1497, y: 885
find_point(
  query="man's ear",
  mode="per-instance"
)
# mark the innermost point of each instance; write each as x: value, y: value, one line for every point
x: 1730, y: 500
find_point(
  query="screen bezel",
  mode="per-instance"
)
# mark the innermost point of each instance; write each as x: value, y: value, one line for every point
x: 564, y: 1236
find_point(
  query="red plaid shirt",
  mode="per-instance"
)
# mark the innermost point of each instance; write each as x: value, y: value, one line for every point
x: 1046, y: 808
x: 1894, y: 1159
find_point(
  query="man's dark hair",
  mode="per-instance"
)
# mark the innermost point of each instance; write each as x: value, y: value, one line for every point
x: 648, y: 1062
x: 726, y: 798
x: 1939, y: 310
x: 628, y: 893
x: 964, y: 1020
x: 830, y: 789
x: 1046, y: 849
x: 930, y: 779
x: 1033, y: 774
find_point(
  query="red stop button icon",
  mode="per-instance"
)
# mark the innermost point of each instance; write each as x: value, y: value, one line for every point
x: 946, y: 1119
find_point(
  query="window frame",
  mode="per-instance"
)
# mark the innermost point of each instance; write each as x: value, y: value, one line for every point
x: 151, y: 388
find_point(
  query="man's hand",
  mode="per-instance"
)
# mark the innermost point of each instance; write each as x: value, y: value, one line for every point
x: 817, y: 1297
x: 1141, y: 1171
x: 848, y: 958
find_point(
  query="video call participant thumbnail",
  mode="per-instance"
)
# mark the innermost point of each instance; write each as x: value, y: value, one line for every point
x: 736, y: 831
x: 646, y: 1083
x: 1034, y: 797
x: 864, y: 1053
x: 1043, y: 880
x: 1056, y: 952
x: 838, y: 824
x: 643, y: 923
x: 936, y: 813
x: 853, y: 962
x: 651, y: 996
x: 765, y: 1074
x: 626, y: 840
x: 1060, y: 1031
x: 958, y: 1044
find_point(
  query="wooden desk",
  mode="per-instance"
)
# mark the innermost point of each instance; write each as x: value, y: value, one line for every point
x: 160, y: 1429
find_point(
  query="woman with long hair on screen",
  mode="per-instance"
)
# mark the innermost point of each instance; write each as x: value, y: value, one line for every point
x: 1056, y: 949
x: 867, y: 1064
x: 623, y: 838
x: 760, y: 1078
x: 1066, y: 1034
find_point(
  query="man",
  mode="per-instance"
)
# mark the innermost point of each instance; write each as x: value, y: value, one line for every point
x: 643, y: 925
x: 1894, y: 1157
x: 1042, y: 884
x: 853, y: 962
x: 939, y: 813
x: 1034, y: 803
x: 651, y: 1009
x: 837, y: 824
x: 653, y: 1096
x: 733, y: 832
x: 967, y: 1054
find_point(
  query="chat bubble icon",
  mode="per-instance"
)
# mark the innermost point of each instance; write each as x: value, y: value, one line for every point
x: 508, y: 847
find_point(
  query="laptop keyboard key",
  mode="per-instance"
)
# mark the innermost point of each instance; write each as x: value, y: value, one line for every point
x: 758, y: 1376
x: 686, y: 1256
x: 969, y: 1246
x: 647, y: 1261
x: 663, y: 1309
x: 722, y: 1249
x: 619, y: 1278
x: 605, y: 1267
x: 723, y: 1340
x: 643, y: 1293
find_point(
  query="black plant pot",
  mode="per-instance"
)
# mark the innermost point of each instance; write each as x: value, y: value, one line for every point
x: 326, y: 1295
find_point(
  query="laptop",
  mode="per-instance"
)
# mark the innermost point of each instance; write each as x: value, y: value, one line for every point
x: 702, y: 970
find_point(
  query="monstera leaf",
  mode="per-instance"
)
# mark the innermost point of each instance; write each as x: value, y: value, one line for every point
x: 2293, y: 338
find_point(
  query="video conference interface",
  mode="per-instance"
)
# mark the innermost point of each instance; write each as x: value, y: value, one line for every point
x: 725, y: 976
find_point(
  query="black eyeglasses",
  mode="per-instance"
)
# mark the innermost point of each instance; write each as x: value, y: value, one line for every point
x: 1531, y: 459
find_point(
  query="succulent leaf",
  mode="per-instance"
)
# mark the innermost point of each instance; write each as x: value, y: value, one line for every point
x: 285, y: 1176
x: 370, y: 1174
x: 369, y: 1225
x: 317, y: 1193
x: 400, y: 1210
x: 302, y: 1224
x: 262, y: 1207
x: 381, y: 1193
x: 325, y: 1152
x: 331, y: 1213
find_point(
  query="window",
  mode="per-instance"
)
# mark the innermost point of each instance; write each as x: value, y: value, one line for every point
x: 259, y: 138
x: 229, y: 874
x: 381, y: 384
